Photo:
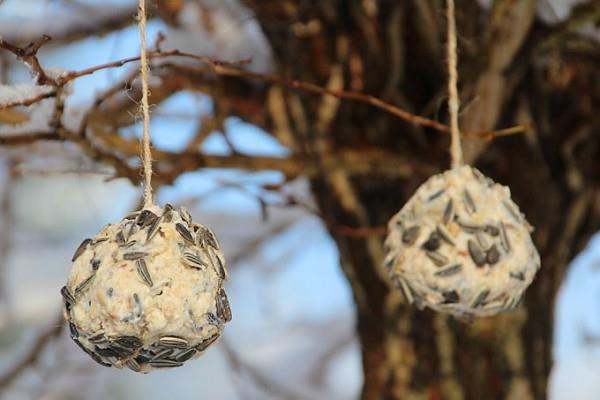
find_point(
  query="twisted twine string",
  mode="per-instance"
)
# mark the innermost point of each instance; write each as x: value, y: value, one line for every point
x: 453, y: 101
x: 146, y: 153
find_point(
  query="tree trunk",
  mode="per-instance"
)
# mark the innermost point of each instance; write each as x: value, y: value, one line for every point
x: 513, y: 71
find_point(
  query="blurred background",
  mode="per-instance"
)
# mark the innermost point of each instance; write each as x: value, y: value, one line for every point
x: 293, y: 333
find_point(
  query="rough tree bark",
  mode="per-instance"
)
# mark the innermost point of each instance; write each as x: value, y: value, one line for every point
x: 513, y: 69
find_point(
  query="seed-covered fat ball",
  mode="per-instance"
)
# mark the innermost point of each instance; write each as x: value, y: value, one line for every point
x: 460, y: 245
x: 147, y: 292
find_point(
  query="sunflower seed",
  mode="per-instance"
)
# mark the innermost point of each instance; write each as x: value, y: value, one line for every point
x: 469, y: 203
x: 194, y: 261
x: 165, y: 364
x: 405, y: 289
x: 81, y: 249
x: 482, y: 240
x: 491, y: 230
x: 120, y: 238
x: 185, y: 355
x: 129, y: 342
x: 450, y: 297
x: 476, y: 253
x: 109, y: 352
x: 436, y: 195
x: 97, y: 338
x: 84, y: 285
x: 146, y: 218
x: 468, y: 227
x: 446, y: 272
x: 154, y: 228
x: 100, y: 240
x: 132, y: 215
x: 129, y: 244
x: 184, y: 232
x: 128, y: 232
x: 95, y: 264
x: 213, y: 319
x: 513, y: 302
x: 100, y: 360
x: 433, y: 242
x: 67, y: 296
x: 142, y: 270
x: 133, y: 365
x: 437, y: 258
x: 134, y: 255
x: 142, y: 359
x: 206, y: 237
x: 219, y: 264
x: 73, y: 330
x: 163, y: 353
x: 389, y: 260
x: 492, y: 255
x: 448, y: 213
x: 480, y: 299
x: 173, y: 341
x: 445, y: 235
x: 203, y: 345
x: 517, y: 275
x: 119, y: 351
x: 504, y: 238
x: 222, y: 303
x: 410, y: 235
x: 94, y: 356
x: 137, y: 306
x: 185, y: 215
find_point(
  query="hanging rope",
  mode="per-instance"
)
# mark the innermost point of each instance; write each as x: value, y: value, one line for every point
x: 453, y: 101
x: 146, y: 153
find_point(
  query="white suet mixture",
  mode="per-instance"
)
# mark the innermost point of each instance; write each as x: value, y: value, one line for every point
x: 460, y: 245
x: 147, y: 292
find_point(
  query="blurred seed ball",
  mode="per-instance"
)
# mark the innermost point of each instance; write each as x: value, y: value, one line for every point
x: 147, y: 292
x: 461, y: 246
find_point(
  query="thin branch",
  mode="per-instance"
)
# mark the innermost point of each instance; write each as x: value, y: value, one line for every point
x: 390, y: 108
x: 352, y: 162
x: 27, y: 138
x: 29, y: 100
x: 223, y: 68
x: 342, y: 94
x: 28, y: 55
x: 34, y: 353
x: 69, y: 76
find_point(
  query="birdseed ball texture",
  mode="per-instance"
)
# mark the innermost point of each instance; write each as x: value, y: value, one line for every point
x: 147, y: 292
x: 460, y: 245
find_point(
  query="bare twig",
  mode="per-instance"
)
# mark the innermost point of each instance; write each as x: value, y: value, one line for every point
x: 69, y: 76
x: 223, y: 68
x: 29, y: 100
x: 34, y: 353
x: 353, y: 162
x: 27, y: 138
x: 28, y: 55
